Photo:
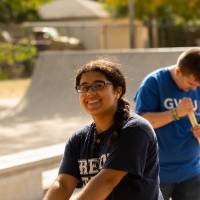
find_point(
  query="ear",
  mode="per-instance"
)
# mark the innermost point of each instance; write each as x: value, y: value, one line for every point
x: 177, y: 71
x: 118, y: 92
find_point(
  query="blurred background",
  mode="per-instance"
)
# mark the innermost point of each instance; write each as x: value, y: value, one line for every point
x: 30, y: 26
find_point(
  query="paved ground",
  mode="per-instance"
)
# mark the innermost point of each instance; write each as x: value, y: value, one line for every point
x: 47, y: 114
x: 7, y: 103
x: 18, y: 134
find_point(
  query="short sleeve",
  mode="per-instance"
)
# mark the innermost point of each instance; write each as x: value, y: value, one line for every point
x: 130, y: 152
x: 69, y: 163
x: 147, y: 97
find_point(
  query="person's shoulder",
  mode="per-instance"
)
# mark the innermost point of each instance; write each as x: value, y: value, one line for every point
x: 157, y: 73
x: 136, y: 120
x: 152, y: 80
x: 84, y: 129
x: 136, y: 123
x: 81, y: 133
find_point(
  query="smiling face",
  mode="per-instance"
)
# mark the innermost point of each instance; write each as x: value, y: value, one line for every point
x: 102, y: 100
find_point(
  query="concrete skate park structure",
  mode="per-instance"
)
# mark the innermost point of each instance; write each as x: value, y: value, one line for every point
x: 49, y: 113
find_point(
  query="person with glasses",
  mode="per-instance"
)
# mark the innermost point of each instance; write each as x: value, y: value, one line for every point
x: 116, y: 156
x: 168, y: 97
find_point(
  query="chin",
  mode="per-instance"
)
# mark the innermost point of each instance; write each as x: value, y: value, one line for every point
x: 93, y: 112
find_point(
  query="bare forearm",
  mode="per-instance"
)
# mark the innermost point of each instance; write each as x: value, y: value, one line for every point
x: 62, y: 188
x: 58, y: 192
x: 95, y: 191
x: 101, y: 185
x: 159, y: 119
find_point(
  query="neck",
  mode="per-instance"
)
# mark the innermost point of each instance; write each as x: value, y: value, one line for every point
x: 174, y: 74
x: 103, y: 123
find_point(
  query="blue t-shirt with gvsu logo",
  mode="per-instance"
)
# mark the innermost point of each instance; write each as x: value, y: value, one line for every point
x: 178, y: 149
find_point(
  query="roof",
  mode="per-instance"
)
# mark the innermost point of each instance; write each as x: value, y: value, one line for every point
x: 71, y: 9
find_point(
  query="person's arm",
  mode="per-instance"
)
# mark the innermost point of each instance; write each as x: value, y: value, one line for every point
x: 62, y: 188
x: 101, y: 185
x: 159, y: 119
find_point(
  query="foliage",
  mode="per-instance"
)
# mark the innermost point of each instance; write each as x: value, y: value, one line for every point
x: 168, y: 10
x: 16, y: 60
x: 116, y: 7
x: 12, y: 53
x: 3, y: 75
x: 147, y: 9
x: 185, y: 10
x: 19, y: 10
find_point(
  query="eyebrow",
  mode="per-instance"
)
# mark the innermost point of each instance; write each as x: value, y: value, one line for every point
x: 96, y: 81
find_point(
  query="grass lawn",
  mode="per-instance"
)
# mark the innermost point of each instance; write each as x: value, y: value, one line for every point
x: 13, y: 88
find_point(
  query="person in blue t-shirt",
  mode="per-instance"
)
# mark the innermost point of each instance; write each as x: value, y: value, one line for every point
x: 166, y: 97
x: 116, y: 156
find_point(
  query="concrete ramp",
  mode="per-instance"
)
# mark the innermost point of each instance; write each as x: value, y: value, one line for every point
x: 52, y: 92
x: 50, y: 111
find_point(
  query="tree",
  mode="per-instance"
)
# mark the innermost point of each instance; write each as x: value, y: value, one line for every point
x: 16, y: 60
x: 145, y: 10
x: 19, y: 10
x: 185, y: 10
x: 117, y: 8
x: 17, y: 56
x: 170, y: 10
x: 158, y: 12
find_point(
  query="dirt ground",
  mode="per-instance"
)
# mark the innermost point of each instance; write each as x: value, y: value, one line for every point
x: 13, y: 88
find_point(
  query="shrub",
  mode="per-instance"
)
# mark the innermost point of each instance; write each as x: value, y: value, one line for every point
x: 14, y: 57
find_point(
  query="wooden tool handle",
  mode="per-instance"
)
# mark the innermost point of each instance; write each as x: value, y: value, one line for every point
x: 193, y: 121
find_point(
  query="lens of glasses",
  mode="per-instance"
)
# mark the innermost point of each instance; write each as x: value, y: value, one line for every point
x: 96, y: 86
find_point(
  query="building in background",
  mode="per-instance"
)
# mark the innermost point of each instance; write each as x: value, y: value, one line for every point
x: 89, y: 22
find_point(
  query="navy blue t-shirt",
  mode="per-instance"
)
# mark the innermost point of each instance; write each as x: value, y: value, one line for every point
x: 134, y: 150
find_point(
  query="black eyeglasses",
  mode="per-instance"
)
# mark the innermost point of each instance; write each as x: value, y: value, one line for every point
x: 95, y: 87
